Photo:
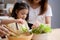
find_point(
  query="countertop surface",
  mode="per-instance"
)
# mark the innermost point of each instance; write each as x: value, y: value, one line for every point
x: 54, y: 35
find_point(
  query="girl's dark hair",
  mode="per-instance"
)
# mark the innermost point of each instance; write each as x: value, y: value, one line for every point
x: 19, y: 6
x: 43, y: 4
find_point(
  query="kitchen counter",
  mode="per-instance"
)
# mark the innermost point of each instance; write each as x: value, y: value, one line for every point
x: 54, y: 35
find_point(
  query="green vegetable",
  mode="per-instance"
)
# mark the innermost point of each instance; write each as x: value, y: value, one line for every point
x: 23, y: 29
x: 47, y: 29
x: 43, y: 28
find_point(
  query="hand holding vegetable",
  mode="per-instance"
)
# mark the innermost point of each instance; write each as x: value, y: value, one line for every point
x: 36, y: 24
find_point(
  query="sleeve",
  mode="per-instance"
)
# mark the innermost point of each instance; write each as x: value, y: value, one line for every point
x: 49, y: 11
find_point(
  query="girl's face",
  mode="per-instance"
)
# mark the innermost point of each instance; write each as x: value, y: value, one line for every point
x: 36, y: 1
x: 22, y: 13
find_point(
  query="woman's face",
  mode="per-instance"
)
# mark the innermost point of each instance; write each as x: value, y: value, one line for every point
x: 22, y: 13
x: 36, y: 1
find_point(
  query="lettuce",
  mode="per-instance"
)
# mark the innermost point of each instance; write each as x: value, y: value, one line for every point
x: 43, y: 28
x: 23, y: 29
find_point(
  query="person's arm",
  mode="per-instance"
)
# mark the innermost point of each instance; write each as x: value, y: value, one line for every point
x: 48, y: 15
x: 11, y: 21
x: 48, y: 20
x: 6, y: 31
x: 3, y: 31
x: 7, y: 21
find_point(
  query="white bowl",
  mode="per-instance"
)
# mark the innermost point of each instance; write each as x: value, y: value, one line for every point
x: 40, y: 37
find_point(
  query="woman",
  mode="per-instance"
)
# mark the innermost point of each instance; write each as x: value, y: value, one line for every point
x: 39, y: 10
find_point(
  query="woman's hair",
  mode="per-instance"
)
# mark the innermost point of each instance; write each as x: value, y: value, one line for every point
x: 43, y: 4
x: 19, y: 6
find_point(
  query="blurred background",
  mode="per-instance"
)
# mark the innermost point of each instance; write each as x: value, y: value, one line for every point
x: 55, y: 4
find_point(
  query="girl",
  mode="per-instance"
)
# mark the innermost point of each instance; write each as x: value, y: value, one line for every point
x: 39, y: 10
x: 20, y: 11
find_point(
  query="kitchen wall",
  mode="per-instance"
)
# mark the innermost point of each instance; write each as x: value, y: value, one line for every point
x: 10, y: 1
x: 55, y: 4
x: 1, y: 0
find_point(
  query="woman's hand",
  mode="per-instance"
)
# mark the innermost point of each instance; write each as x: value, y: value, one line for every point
x: 20, y: 21
x: 36, y: 24
x: 3, y: 31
